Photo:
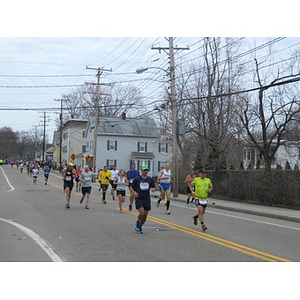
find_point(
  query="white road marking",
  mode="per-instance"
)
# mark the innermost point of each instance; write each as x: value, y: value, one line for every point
x: 8, y: 182
x: 236, y: 217
x: 36, y: 238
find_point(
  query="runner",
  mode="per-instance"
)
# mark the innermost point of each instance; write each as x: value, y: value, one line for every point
x: 21, y: 167
x: 202, y: 186
x: 35, y: 173
x: 46, y: 173
x: 104, y: 179
x: 140, y: 188
x: 120, y: 182
x: 165, y: 181
x: 131, y: 175
x: 68, y: 174
x: 114, y: 174
x: 78, y: 171
x: 86, y: 187
x: 188, y: 180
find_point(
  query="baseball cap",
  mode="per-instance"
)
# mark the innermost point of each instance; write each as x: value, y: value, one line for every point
x: 70, y: 164
x: 202, y: 171
x: 143, y: 168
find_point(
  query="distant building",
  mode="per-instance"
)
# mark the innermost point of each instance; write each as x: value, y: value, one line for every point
x: 289, y: 152
x: 73, y: 138
x: 121, y: 141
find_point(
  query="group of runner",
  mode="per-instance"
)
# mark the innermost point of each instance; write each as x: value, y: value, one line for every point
x: 140, y: 186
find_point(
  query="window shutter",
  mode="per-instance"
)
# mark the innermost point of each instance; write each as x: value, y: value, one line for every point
x: 166, y: 147
x: 116, y: 143
x: 146, y: 147
x: 138, y: 146
x: 158, y: 166
x: 115, y: 162
x: 107, y: 145
x: 159, y: 147
x: 138, y: 165
x: 149, y: 165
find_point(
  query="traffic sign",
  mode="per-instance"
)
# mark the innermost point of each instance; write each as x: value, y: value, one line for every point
x: 73, y: 156
x: 88, y: 158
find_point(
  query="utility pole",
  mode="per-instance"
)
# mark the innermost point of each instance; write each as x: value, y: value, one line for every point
x: 97, y: 100
x: 60, y: 130
x: 171, y: 49
x: 44, y: 134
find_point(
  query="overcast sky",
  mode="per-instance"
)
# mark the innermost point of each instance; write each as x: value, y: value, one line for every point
x: 36, y: 68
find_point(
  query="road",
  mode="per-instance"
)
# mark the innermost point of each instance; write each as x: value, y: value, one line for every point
x: 36, y: 226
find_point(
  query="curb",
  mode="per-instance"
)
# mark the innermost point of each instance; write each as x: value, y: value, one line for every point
x: 247, y: 211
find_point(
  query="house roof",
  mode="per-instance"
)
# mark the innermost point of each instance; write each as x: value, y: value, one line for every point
x: 130, y: 127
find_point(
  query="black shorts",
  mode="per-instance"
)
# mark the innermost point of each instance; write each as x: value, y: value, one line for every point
x: 86, y: 190
x: 104, y: 187
x: 114, y: 186
x: 145, y: 204
x: 121, y: 193
x: 68, y: 184
x: 188, y: 190
x: 77, y: 179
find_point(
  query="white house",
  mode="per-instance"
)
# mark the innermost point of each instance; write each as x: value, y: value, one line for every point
x: 73, y: 138
x: 121, y: 141
x: 289, y: 152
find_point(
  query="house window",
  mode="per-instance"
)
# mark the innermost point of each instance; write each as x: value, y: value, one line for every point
x: 65, y: 135
x: 142, y: 146
x: 161, y: 165
x: 112, y: 145
x: 83, y: 133
x: 110, y: 163
x: 83, y: 148
x: 87, y: 146
x: 163, y: 147
x: 247, y: 154
x: 91, y: 145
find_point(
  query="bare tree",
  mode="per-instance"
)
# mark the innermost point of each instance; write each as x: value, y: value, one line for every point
x: 266, y: 119
x: 211, y: 105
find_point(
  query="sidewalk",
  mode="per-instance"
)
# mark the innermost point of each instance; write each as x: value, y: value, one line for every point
x: 255, y: 209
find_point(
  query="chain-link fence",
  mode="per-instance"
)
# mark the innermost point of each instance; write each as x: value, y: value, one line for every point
x: 278, y: 187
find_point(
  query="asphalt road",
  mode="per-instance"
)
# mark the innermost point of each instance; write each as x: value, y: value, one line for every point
x: 36, y: 226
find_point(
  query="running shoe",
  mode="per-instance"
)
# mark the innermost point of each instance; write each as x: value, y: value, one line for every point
x: 130, y: 207
x: 157, y: 203
x: 204, y: 227
x: 86, y: 207
x: 67, y: 206
x: 137, y: 226
x: 103, y: 201
x: 114, y: 198
x: 81, y: 200
x: 168, y: 212
x: 195, y: 218
x: 120, y: 210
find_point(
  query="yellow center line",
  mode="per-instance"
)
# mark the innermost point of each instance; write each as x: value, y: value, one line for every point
x: 214, y: 239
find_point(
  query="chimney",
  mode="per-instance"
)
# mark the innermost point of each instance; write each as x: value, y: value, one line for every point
x: 124, y: 116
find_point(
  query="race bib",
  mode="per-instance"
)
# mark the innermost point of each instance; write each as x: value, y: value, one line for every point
x: 131, y: 180
x: 144, y: 186
x: 68, y: 178
x: 88, y: 178
x: 203, y: 201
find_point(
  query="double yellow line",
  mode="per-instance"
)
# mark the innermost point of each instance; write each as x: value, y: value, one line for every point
x: 216, y: 240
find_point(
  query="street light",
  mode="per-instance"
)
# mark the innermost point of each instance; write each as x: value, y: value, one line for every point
x: 141, y: 70
x: 174, y: 123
